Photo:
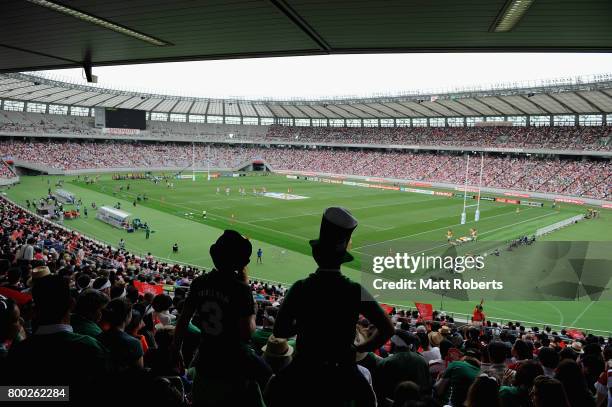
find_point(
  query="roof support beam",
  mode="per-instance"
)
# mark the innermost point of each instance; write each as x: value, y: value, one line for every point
x: 157, y: 104
x: 367, y: 113
x: 546, y: 111
x: 497, y: 112
x: 351, y: 114
x: 400, y: 114
x: 468, y: 107
x: 142, y: 100
x: 45, y: 96
x: 588, y: 102
x: 434, y: 107
x: 552, y: 96
x: 239, y: 111
x: 305, y: 114
x: 256, y: 111
x: 413, y: 113
x: 26, y: 90
x: 23, y: 85
x: 302, y: 24
x: 173, y: 106
x: 419, y: 114
x: 110, y: 96
x: 515, y: 106
x: 42, y: 54
x: 287, y: 111
x: 452, y: 110
x: 190, y: 107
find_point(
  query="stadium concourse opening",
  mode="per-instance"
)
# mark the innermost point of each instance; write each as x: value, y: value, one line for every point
x: 445, y: 245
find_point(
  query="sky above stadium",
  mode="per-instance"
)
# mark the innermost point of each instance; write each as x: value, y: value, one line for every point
x: 342, y: 75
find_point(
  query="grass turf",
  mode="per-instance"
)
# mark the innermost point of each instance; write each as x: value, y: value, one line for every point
x: 282, y: 228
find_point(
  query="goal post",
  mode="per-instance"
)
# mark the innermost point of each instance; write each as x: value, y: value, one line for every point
x: 467, y: 167
x: 477, y: 214
x: 465, y: 187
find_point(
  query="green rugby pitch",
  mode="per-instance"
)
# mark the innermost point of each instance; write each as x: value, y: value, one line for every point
x: 282, y: 229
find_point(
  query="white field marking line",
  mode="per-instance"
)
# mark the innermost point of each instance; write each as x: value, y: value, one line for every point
x: 377, y: 228
x: 397, y: 305
x: 218, y: 200
x: 483, y: 233
x: 254, y: 203
x: 241, y: 222
x: 352, y: 209
x: 250, y: 195
x: 433, y: 230
x: 493, y: 230
x: 582, y: 313
x: 356, y: 249
x: 303, y: 237
x: 561, y: 317
x: 231, y: 220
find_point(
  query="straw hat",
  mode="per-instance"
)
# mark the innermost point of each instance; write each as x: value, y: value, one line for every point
x: 445, y: 330
x: 38, y: 273
x: 277, y: 348
x: 577, y: 347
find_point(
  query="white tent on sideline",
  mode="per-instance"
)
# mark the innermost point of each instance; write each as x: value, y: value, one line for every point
x: 112, y: 216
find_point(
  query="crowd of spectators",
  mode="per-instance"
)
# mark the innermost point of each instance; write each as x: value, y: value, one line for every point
x: 22, y: 122
x: 588, y: 178
x: 591, y: 138
x: 70, y: 314
x: 556, y: 137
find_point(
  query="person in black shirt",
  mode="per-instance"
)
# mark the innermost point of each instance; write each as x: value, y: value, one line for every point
x: 125, y: 351
x: 326, y: 327
x: 53, y: 355
x: 228, y: 372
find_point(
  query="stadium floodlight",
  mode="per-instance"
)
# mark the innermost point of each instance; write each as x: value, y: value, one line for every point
x: 510, y: 15
x: 109, y: 25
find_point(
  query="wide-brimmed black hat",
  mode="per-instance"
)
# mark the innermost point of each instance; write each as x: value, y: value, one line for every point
x: 231, y: 251
x: 337, y: 226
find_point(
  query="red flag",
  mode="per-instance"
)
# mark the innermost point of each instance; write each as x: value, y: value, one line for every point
x: 575, y: 334
x: 387, y: 308
x: 425, y: 310
x: 148, y: 288
x: 19, y: 297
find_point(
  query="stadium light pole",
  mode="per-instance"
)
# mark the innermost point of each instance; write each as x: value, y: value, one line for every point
x: 465, y: 190
x: 477, y: 214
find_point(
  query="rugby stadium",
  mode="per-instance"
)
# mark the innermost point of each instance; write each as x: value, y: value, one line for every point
x: 118, y: 197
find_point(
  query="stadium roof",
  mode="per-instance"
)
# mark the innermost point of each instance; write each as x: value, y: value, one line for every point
x: 565, y: 96
x: 49, y: 34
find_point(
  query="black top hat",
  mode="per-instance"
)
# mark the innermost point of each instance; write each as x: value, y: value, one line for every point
x: 337, y: 226
x: 231, y: 250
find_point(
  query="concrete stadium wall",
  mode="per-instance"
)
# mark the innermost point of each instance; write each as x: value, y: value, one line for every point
x: 8, y: 181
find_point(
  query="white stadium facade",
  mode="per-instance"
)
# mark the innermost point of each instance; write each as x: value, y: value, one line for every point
x: 568, y: 101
